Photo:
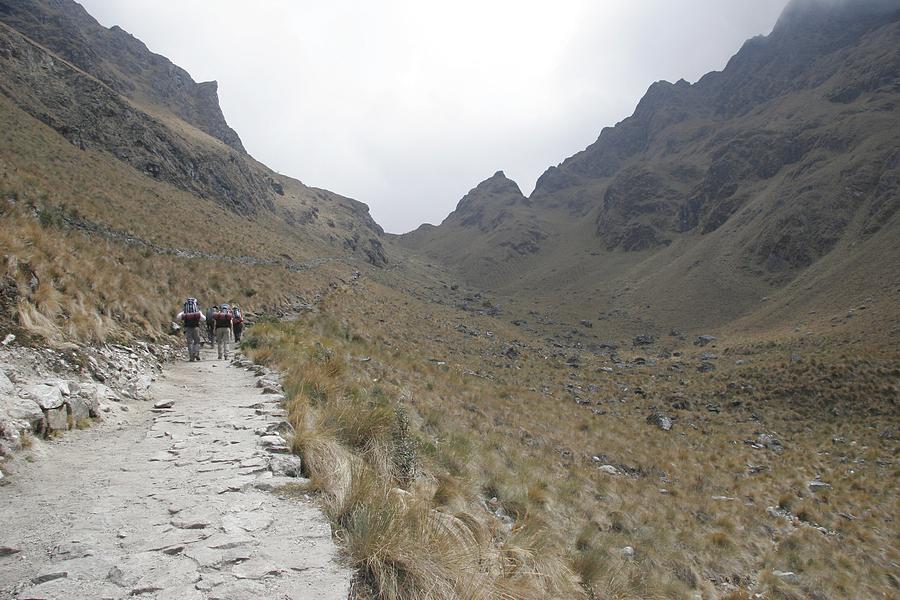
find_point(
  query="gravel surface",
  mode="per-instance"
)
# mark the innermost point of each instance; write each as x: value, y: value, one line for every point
x: 169, y: 503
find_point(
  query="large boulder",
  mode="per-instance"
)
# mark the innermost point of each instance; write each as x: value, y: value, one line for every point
x: 24, y: 411
x: 10, y: 436
x: 6, y: 386
x: 57, y: 418
x: 47, y: 395
x: 139, y: 387
x: 69, y: 388
x: 78, y: 408
x: 90, y: 394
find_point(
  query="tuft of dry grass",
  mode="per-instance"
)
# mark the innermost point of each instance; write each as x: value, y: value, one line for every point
x: 407, y: 518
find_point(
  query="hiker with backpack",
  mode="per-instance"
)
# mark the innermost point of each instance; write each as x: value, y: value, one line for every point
x: 191, y: 317
x: 237, y: 322
x: 211, y: 325
x: 224, y: 330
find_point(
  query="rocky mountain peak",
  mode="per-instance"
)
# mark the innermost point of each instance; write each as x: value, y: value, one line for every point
x: 485, y: 206
x: 498, y: 183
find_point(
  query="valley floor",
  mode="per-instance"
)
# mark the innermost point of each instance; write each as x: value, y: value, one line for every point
x: 167, y: 503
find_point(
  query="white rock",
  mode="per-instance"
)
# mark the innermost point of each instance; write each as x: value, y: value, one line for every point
x: 24, y: 410
x: 57, y: 418
x: 48, y: 396
x: 817, y: 485
x: 286, y: 466
x: 6, y: 386
x: 78, y: 408
x: 788, y: 576
x: 610, y: 469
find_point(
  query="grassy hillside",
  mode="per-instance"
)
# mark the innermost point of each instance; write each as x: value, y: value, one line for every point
x: 453, y: 466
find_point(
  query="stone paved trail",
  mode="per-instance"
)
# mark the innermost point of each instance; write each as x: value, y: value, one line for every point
x: 172, y: 504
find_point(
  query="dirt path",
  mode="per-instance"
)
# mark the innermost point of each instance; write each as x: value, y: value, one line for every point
x: 168, y: 505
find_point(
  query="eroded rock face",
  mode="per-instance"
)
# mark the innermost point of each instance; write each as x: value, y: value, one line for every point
x: 122, y: 62
x: 91, y: 115
x: 52, y: 391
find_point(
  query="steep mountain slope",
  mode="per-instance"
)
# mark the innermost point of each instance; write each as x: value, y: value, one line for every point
x: 100, y: 170
x: 120, y: 61
x: 783, y: 167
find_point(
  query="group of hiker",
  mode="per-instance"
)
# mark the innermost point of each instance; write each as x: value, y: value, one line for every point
x: 223, y: 324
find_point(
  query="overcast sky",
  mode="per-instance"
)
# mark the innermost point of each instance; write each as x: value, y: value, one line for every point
x: 408, y: 104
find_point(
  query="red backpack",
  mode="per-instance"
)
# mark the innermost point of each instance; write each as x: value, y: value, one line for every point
x: 191, y: 314
x: 223, y: 318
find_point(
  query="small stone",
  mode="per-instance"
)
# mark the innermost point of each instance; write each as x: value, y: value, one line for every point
x: 817, y: 485
x: 643, y: 340
x: 45, y: 577
x: 270, y: 484
x: 8, y: 551
x: 660, y: 420
x: 788, y: 576
x: 286, y: 466
x: 704, y: 340
x: 510, y: 352
x: 627, y: 552
x: 190, y: 523
x: 609, y: 469
x: 274, y: 443
x: 164, y: 404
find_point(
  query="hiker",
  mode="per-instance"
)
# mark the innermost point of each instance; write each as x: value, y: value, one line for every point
x: 237, y: 322
x: 190, y: 317
x: 211, y: 325
x: 223, y: 330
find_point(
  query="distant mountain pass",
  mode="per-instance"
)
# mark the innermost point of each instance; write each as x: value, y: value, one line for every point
x: 743, y: 180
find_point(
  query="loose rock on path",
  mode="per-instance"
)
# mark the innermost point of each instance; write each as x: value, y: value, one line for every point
x: 174, y: 503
